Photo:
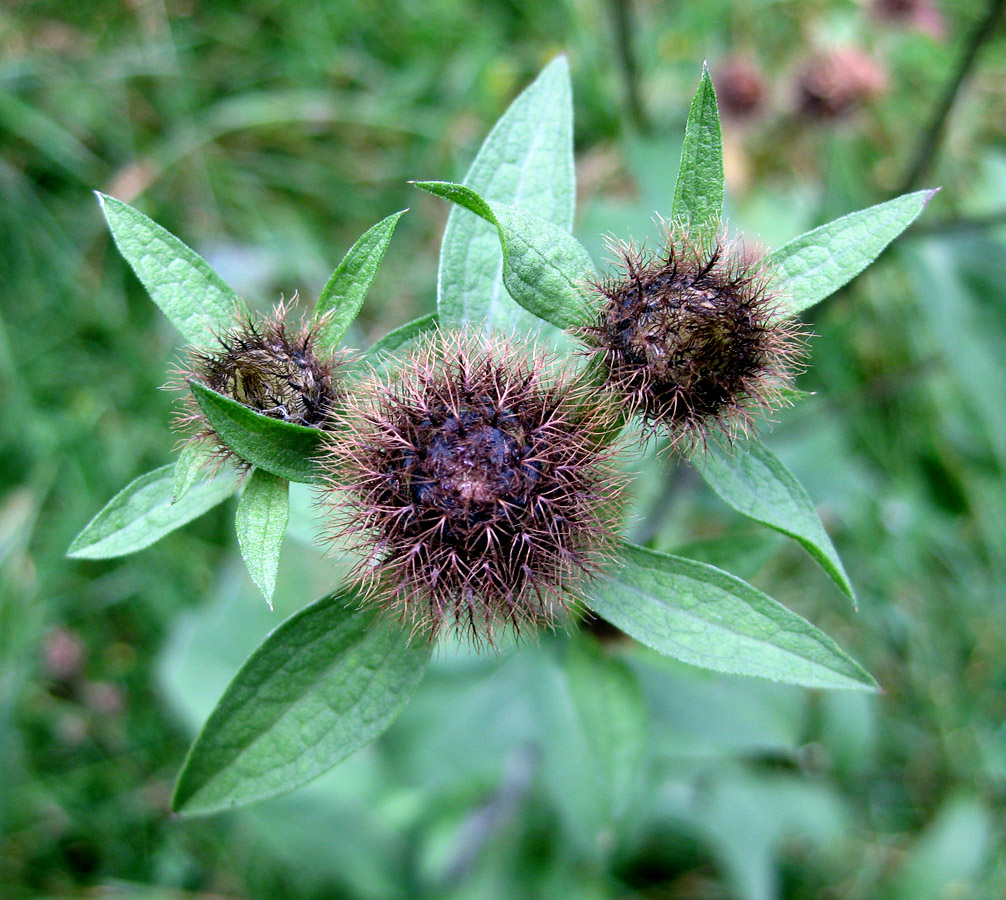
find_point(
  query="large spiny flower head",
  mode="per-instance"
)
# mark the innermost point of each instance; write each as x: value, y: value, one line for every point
x: 690, y: 339
x: 476, y: 487
x: 268, y: 365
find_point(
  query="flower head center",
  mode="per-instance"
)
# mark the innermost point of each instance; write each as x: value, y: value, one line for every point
x: 470, y: 464
x: 677, y: 330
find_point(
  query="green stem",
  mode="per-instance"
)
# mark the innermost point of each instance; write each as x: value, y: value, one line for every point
x: 930, y: 138
x: 622, y: 16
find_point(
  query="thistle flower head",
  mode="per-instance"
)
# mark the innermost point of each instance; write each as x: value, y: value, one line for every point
x: 834, y: 82
x: 740, y: 87
x: 689, y: 339
x: 272, y: 368
x: 474, y: 485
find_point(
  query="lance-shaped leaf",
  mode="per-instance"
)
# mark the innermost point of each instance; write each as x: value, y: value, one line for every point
x: 816, y: 264
x: 698, y: 194
x: 343, y: 295
x: 526, y: 161
x: 400, y: 336
x: 611, y: 711
x: 279, y: 447
x: 196, y: 300
x: 324, y: 684
x: 755, y: 482
x: 707, y: 617
x: 544, y: 266
x: 262, y: 516
x: 194, y: 460
x: 143, y: 512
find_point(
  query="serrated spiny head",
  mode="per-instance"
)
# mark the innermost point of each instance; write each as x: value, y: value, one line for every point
x: 474, y: 487
x: 690, y: 339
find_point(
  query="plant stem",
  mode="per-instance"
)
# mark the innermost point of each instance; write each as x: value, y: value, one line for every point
x: 622, y: 16
x: 929, y: 140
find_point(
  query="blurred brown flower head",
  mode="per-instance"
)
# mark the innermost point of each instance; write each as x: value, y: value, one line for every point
x: 923, y: 15
x: 835, y: 82
x: 740, y: 87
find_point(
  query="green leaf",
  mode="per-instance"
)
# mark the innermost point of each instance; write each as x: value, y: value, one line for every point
x: 755, y: 482
x: 324, y: 684
x: 816, y: 264
x: 197, y: 301
x: 341, y: 298
x: 279, y: 447
x: 543, y: 266
x: 611, y: 710
x: 263, y: 513
x: 698, y: 194
x: 704, y: 616
x: 526, y: 161
x: 401, y: 335
x: 191, y: 462
x: 143, y: 512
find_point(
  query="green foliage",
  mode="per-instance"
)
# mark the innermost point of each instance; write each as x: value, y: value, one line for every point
x: 755, y: 482
x: 698, y: 193
x: 395, y: 339
x: 263, y: 512
x: 193, y: 461
x: 268, y: 136
x: 815, y: 265
x: 544, y: 267
x: 325, y: 683
x: 144, y: 511
x: 527, y: 162
x: 343, y: 295
x: 707, y: 617
x: 195, y: 299
x: 610, y: 709
x: 683, y: 608
x: 282, y: 448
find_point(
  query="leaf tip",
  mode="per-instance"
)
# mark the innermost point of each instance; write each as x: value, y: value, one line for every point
x: 180, y: 798
x: 871, y: 686
x: 706, y: 79
x: 184, y: 802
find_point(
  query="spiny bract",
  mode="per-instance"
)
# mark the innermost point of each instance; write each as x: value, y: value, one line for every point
x: 476, y: 486
x: 691, y: 340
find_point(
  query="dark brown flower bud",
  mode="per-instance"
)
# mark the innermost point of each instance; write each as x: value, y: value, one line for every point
x: 475, y: 487
x: 268, y: 366
x: 690, y: 339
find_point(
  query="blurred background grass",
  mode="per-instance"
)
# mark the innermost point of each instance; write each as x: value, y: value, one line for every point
x: 269, y: 135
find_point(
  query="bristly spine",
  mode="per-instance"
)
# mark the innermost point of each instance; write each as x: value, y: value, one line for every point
x: 474, y: 486
x: 690, y: 339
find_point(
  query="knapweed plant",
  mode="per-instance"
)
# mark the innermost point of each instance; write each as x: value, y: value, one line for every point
x: 471, y: 462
